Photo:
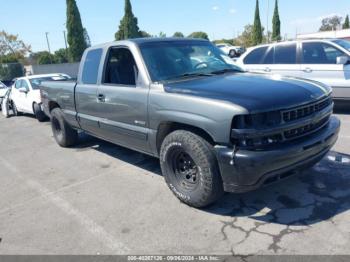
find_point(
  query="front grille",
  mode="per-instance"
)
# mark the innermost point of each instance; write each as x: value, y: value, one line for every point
x: 304, y: 111
x: 304, y: 130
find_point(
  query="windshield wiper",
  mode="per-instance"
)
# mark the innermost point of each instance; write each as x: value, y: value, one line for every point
x: 224, y: 71
x: 190, y: 75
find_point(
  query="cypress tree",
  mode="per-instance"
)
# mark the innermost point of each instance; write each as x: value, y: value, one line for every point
x: 75, y: 30
x: 276, y: 24
x: 346, y: 24
x: 128, y: 27
x: 257, y: 36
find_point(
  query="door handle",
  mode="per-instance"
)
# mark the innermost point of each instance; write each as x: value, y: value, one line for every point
x: 308, y: 70
x: 101, y: 98
x: 267, y: 69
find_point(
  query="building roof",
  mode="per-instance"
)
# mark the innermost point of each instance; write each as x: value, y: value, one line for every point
x: 327, y: 34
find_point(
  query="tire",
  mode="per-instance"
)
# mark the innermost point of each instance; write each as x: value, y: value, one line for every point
x: 14, y: 109
x: 190, y: 169
x: 232, y: 53
x: 63, y: 133
x: 39, y: 114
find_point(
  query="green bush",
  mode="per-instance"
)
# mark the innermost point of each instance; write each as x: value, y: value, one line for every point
x: 11, y: 71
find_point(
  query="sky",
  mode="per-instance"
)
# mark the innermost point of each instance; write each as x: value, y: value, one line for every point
x: 219, y: 18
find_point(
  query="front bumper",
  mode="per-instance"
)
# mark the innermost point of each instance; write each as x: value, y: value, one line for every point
x: 244, y: 170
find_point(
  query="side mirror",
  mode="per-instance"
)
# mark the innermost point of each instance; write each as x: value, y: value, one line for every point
x: 23, y: 90
x: 342, y: 60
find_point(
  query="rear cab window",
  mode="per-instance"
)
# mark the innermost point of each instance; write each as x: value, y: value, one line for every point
x: 91, y: 67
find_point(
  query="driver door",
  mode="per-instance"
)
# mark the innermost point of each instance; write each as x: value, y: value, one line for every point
x: 18, y: 97
x: 27, y: 102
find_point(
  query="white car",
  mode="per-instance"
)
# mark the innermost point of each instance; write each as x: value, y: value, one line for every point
x: 25, y: 94
x: 326, y: 61
x: 3, y: 90
x: 230, y: 50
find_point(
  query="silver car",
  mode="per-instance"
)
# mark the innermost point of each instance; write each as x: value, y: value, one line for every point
x: 326, y: 61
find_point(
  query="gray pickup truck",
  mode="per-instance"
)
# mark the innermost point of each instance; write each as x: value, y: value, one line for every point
x: 213, y: 127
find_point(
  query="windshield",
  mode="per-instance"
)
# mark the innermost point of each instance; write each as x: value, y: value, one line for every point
x: 343, y: 43
x: 172, y: 60
x: 36, y: 82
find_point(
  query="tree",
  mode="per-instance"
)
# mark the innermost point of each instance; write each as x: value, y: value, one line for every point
x: 43, y: 58
x: 76, y: 40
x: 11, y: 71
x: 276, y: 24
x: 128, y: 27
x: 178, y: 34
x: 346, y: 24
x: 257, y: 36
x: 162, y: 35
x: 61, y: 56
x: 199, y: 34
x: 246, y: 38
x: 144, y: 34
x: 331, y: 23
x: 12, y: 49
x: 224, y: 41
x: 87, y: 38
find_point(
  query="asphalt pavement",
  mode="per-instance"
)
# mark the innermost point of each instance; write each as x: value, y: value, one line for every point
x: 98, y: 198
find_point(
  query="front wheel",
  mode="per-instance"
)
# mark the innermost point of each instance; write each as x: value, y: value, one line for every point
x: 190, y: 169
x: 63, y: 133
x: 232, y: 53
x: 39, y: 114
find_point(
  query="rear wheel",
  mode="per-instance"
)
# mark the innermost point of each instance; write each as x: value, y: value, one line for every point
x: 63, y: 133
x: 232, y: 53
x: 190, y: 169
x: 39, y: 114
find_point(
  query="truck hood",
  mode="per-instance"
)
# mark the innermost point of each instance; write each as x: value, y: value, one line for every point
x: 254, y: 92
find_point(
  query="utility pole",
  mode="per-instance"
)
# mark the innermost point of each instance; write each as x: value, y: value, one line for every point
x: 48, y: 45
x: 65, y: 42
x: 267, y: 22
x: 65, y: 39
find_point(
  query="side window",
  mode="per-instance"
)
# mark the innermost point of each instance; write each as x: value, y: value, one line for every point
x: 255, y: 56
x: 19, y: 84
x: 25, y: 84
x: 286, y: 54
x: 268, y: 59
x: 91, y: 66
x: 121, y: 68
x: 320, y: 53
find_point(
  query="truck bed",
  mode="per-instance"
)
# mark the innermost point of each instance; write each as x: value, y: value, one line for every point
x: 62, y: 93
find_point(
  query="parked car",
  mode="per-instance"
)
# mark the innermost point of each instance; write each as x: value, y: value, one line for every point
x: 25, y: 94
x: 230, y: 50
x: 326, y: 61
x: 213, y: 127
x: 3, y: 91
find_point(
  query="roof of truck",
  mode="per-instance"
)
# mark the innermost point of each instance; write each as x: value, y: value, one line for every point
x: 139, y: 41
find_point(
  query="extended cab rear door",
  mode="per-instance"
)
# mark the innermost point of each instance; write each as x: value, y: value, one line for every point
x: 86, y: 91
